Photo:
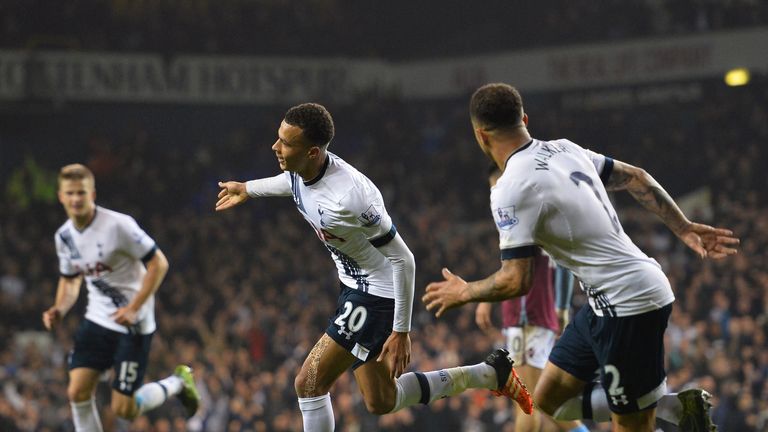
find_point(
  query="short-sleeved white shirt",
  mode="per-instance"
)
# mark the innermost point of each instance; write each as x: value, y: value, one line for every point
x: 347, y: 212
x: 109, y: 254
x: 551, y: 195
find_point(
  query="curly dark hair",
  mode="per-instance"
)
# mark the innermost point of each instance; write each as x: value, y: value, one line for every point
x: 314, y: 120
x: 496, y: 106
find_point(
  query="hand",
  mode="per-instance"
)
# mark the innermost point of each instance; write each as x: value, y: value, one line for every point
x: 231, y: 194
x: 709, y: 242
x: 445, y: 295
x: 51, y: 317
x: 483, y: 316
x: 562, y: 319
x: 397, y: 353
x: 125, y: 316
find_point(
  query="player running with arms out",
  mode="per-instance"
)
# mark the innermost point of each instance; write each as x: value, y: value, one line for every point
x: 553, y: 195
x: 530, y: 325
x: 110, y: 251
x: 370, y: 331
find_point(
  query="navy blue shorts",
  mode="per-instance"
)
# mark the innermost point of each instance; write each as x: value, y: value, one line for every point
x: 362, y: 323
x: 627, y: 352
x: 100, y: 348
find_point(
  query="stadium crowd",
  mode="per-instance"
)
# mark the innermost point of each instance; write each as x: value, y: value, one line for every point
x: 250, y: 290
x: 393, y: 30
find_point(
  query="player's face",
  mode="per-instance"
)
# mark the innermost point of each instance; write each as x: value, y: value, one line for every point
x: 78, y: 198
x: 291, y: 148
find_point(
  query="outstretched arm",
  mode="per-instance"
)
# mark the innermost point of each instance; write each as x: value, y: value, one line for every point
x: 705, y: 240
x: 233, y: 193
x: 513, y: 279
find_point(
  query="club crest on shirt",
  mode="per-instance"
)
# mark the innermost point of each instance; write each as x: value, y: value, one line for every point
x: 370, y: 217
x: 505, y: 217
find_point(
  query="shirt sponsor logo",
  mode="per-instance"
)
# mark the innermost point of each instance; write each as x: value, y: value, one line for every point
x: 505, y: 217
x: 370, y: 217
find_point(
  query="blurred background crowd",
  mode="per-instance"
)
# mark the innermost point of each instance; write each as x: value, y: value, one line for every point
x: 250, y: 290
x: 395, y: 29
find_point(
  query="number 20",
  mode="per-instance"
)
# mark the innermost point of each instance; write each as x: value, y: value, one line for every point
x: 357, y: 317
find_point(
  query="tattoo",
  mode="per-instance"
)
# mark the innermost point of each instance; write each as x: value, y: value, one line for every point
x: 313, y: 363
x: 619, y: 180
x: 649, y: 193
x: 484, y: 290
x: 654, y: 198
x: 502, y: 285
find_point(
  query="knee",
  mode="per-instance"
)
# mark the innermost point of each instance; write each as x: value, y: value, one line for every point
x: 643, y: 420
x: 379, y: 406
x: 300, y: 384
x: 125, y: 409
x: 548, y: 409
x: 307, y: 386
x: 77, y: 393
x: 544, y: 403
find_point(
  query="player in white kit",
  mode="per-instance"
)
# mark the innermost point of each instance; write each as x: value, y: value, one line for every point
x: 553, y: 195
x: 110, y: 251
x: 530, y: 325
x: 370, y: 331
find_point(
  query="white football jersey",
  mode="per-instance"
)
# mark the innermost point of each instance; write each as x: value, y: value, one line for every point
x: 347, y: 212
x: 551, y: 195
x: 109, y: 254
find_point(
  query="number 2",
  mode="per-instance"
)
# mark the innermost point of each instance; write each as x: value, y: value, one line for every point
x: 578, y: 177
x: 614, y: 389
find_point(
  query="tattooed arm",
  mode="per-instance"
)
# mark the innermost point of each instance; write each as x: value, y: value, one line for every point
x: 705, y: 240
x: 649, y: 193
x: 513, y: 279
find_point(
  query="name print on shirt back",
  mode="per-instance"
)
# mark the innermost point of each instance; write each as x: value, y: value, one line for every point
x: 546, y: 152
